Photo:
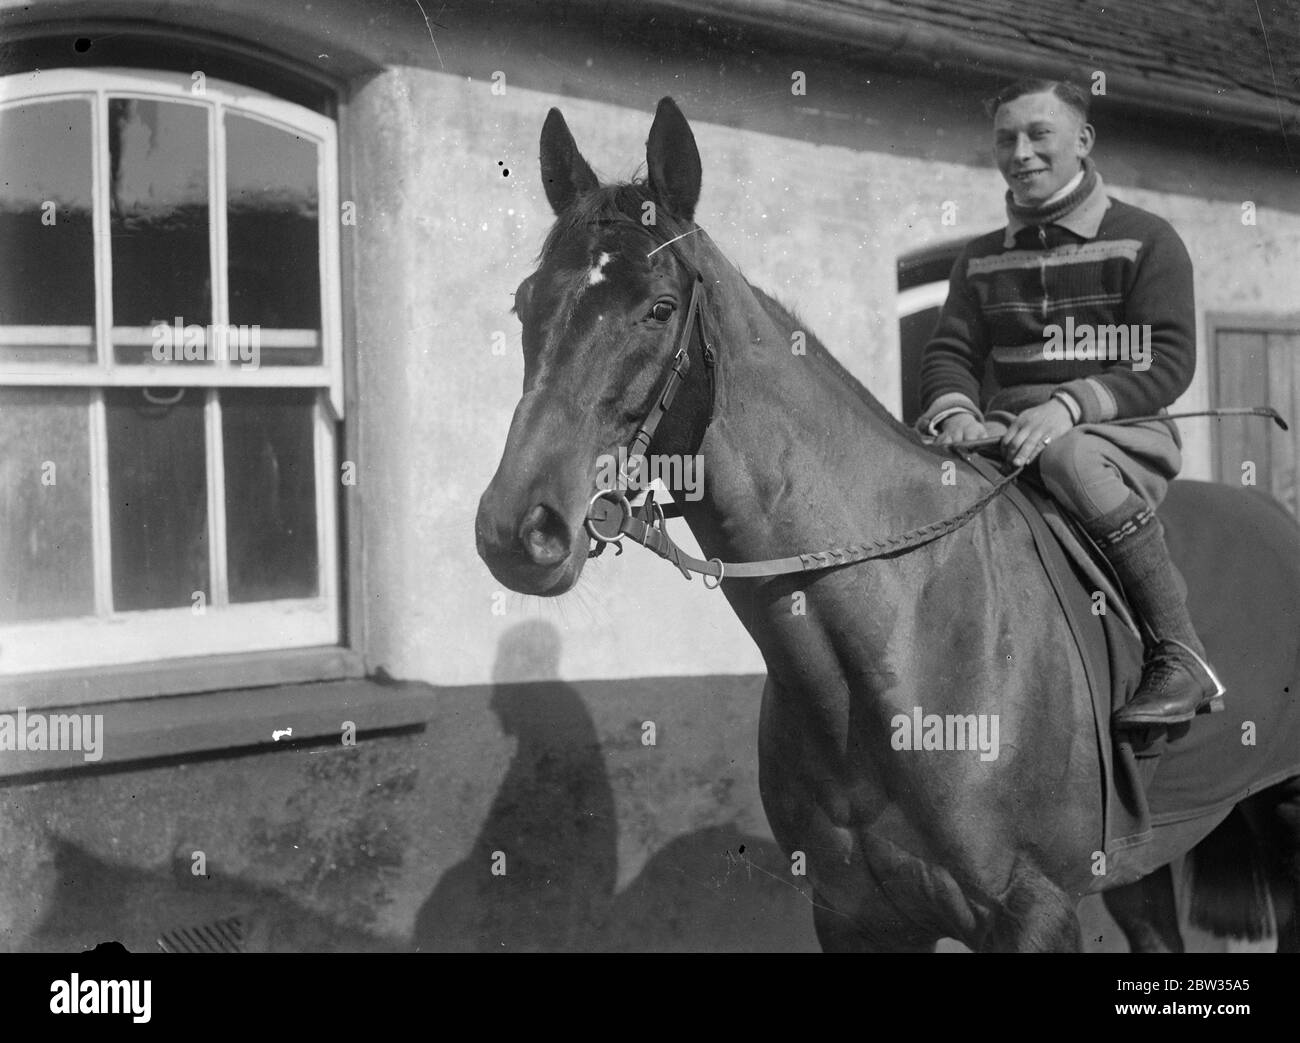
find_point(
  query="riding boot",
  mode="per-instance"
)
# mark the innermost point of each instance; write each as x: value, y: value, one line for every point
x: 1177, y: 682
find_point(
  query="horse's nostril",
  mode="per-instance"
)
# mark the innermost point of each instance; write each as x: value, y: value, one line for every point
x: 544, y: 535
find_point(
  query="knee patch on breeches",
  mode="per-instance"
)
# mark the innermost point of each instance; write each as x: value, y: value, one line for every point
x: 1077, y: 470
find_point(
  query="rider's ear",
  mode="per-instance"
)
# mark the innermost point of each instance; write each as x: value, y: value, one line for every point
x: 565, y: 174
x: 673, y: 161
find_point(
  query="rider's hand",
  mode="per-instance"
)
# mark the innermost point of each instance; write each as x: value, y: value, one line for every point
x: 1033, y: 429
x: 960, y: 427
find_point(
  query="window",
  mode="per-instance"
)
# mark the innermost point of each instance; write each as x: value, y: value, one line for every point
x: 170, y: 370
x: 1255, y: 360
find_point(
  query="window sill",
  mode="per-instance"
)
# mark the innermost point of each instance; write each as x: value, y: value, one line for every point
x: 109, y: 684
x: 236, y: 721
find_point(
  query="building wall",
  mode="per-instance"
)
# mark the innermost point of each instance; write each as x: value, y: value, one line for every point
x: 532, y: 742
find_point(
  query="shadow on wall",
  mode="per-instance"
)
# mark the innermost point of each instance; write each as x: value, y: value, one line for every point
x: 542, y: 873
x: 553, y: 820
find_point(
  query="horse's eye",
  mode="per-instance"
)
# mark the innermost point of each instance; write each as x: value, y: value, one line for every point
x: 663, y: 310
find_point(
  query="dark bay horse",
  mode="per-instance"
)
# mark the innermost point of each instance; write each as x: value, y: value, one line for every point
x: 903, y: 847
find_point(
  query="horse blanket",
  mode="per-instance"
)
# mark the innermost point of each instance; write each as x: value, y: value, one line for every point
x: 1164, y: 788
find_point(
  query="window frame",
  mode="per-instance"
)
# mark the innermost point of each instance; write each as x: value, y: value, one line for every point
x: 236, y: 659
x: 220, y: 95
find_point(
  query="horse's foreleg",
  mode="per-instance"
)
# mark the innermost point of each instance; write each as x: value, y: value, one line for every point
x: 1034, y: 915
x: 1146, y: 912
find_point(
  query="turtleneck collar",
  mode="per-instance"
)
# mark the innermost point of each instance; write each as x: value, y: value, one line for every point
x: 1065, y: 189
x: 1079, y: 210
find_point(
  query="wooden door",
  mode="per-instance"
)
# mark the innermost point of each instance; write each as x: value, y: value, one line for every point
x: 1256, y: 361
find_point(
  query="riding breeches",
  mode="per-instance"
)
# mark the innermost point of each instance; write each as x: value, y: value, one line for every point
x: 1093, y: 468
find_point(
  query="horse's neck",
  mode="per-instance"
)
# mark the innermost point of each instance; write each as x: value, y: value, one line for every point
x: 795, y: 452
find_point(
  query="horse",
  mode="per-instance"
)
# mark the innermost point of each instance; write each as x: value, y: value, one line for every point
x: 902, y: 847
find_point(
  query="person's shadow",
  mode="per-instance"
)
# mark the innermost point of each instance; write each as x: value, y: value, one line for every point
x: 542, y: 872
x: 553, y: 832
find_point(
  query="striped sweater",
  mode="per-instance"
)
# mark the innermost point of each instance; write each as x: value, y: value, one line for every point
x: 1028, y: 299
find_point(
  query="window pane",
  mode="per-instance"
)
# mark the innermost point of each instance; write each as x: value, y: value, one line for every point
x: 47, y: 264
x: 158, y: 500
x: 158, y: 153
x: 270, y: 493
x: 46, y: 564
x: 273, y: 237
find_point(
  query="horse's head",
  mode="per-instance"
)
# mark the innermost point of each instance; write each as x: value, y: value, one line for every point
x: 602, y: 316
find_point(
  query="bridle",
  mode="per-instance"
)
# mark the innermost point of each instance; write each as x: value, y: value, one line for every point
x: 679, y: 367
x: 610, y: 516
x: 677, y: 370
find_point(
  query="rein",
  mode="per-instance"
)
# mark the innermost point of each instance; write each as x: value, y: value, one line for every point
x: 610, y: 518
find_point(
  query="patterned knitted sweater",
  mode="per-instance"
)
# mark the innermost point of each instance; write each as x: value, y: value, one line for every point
x: 1066, y: 306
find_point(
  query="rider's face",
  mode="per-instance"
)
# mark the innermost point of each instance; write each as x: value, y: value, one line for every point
x: 1040, y: 143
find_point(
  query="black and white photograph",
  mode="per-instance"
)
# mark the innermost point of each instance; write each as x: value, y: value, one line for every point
x: 662, y: 477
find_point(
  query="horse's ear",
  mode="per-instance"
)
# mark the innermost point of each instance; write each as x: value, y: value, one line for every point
x: 565, y: 174
x: 673, y: 161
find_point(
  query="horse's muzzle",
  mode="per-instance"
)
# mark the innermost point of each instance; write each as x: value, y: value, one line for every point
x: 530, y: 554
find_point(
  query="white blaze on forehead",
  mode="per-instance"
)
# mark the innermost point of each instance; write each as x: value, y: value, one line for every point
x: 597, y: 273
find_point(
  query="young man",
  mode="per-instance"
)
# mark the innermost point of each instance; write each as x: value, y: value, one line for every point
x: 1083, y: 306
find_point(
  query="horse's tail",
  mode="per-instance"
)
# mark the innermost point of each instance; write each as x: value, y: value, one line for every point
x: 1227, y: 883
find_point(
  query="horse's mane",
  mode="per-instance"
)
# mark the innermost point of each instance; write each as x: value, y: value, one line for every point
x: 623, y: 203
x: 784, y: 313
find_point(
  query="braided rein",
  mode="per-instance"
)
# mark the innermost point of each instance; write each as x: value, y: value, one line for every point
x: 647, y: 525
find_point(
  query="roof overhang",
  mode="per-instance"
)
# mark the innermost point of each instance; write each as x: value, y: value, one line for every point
x: 911, y: 45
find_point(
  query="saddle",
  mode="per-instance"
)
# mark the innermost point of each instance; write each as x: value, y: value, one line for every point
x: 1106, y: 633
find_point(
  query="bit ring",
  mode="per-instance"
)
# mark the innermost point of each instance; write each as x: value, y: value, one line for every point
x: 620, y: 501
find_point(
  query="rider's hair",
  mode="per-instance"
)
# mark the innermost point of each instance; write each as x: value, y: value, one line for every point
x: 1071, y: 94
